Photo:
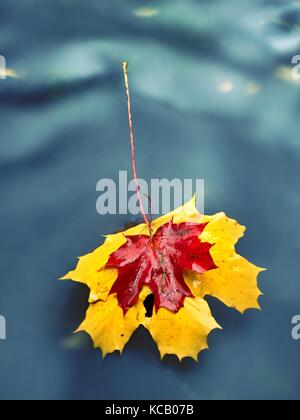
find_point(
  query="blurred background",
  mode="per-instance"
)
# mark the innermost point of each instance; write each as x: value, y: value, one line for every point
x: 213, y: 97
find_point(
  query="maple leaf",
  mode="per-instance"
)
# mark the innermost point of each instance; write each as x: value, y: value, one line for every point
x: 159, y: 262
x: 188, y: 257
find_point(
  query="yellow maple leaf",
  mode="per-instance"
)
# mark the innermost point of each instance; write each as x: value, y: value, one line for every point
x: 183, y: 332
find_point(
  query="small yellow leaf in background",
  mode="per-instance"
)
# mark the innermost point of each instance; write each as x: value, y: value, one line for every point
x: 12, y: 74
x: 146, y: 12
x: 285, y: 73
x: 226, y: 87
x: 253, y: 88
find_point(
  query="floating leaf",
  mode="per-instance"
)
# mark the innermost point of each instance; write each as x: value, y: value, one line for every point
x: 159, y: 262
x: 188, y: 256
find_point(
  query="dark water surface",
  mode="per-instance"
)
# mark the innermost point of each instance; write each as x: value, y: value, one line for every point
x: 214, y: 99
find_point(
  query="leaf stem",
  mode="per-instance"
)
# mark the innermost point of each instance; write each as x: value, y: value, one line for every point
x: 132, y: 144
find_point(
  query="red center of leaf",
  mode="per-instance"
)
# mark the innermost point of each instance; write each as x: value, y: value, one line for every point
x: 159, y: 263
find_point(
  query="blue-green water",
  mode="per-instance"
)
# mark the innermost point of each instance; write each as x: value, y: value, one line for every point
x: 213, y: 98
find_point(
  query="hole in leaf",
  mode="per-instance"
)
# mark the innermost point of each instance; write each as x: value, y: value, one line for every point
x: 149, y: 305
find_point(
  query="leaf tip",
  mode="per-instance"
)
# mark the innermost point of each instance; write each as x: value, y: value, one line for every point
x: 66, y: 276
